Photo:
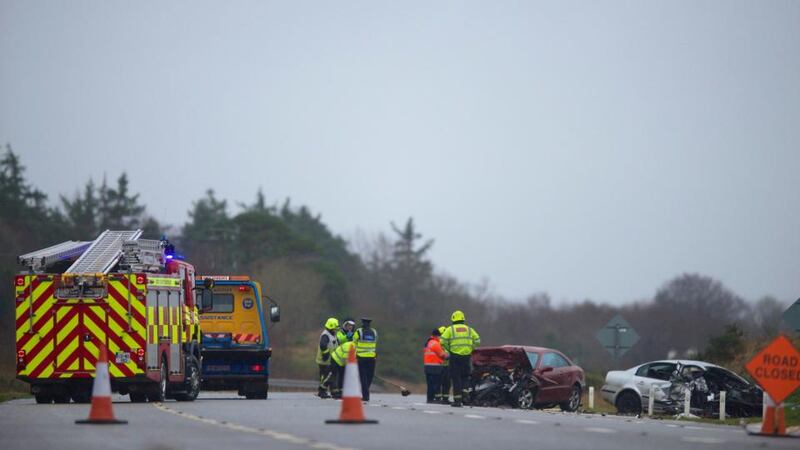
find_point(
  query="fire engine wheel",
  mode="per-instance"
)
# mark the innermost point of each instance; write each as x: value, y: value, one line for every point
x: 160, y: 393
x: 138, y: 397
x: 574, y: 401
x: 61, y: 398
x: 82, y: 395
x: 43, y: 398
x: 192, y: 382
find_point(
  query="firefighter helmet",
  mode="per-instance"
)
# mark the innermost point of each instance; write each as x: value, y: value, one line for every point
x: 332, y: 323
x: 457, y: 316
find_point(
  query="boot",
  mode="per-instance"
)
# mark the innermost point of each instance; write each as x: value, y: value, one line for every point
x: 323, y: 394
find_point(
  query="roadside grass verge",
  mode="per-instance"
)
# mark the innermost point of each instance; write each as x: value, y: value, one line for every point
x: 11, y: 389
x: 792, y: 411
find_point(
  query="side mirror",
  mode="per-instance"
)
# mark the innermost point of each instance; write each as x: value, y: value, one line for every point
x: 207, y: 299
x: 275, y: 313
x: 208, y: 283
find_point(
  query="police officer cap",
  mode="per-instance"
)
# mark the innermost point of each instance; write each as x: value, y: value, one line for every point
x: 366, y: 319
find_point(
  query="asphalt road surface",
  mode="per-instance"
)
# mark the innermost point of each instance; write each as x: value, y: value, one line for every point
x: 297, y: 421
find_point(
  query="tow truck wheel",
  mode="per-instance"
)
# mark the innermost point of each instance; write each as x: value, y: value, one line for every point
x: 42, y: 398
x: 138, y: 397
x: 261, y: 392
x: 192, y: 382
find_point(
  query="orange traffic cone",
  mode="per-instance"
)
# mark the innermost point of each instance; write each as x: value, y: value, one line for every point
x: 101, y: 412
x: 774, y: 423
x: 352, y: 409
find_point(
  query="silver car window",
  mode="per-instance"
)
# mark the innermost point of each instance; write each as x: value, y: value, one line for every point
x: 657, y: 370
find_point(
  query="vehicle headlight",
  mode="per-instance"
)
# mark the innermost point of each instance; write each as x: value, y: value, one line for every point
x: 662, y: 392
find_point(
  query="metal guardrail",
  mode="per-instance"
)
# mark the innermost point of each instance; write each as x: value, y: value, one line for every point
x: 308, y: 385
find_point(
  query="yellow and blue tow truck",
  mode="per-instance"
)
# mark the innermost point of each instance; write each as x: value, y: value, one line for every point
x: 235, y: 345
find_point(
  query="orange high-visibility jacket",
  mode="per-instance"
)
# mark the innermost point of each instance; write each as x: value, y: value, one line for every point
x: 434, y: 353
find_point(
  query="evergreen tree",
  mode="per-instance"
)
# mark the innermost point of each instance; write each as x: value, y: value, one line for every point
x: 82, y: 212
x: 119, y: 209
x: 18, y: 200
x: 209, y: 235
x: 411, y: 270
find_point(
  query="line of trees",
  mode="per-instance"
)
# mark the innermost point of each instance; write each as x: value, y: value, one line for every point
x: 315, y: 274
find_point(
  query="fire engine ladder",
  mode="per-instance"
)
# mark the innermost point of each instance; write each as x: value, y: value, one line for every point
x: 104, y: 253
x: 143, y: 255
x: 41, y: 259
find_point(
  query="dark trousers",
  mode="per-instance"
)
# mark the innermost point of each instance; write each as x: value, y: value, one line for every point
x: 324, y: 379
x: 366, y: 371
x: 444, y: 390
x: 460, y: 369
x: 337, y: 378
x: 433, y: 376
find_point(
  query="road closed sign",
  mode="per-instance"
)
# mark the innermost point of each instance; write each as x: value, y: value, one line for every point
x: 777, y: 368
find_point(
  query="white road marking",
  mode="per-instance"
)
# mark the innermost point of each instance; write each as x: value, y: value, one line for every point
x: 702, y: 440
x: 473, y: 416
x: 260, y: 431
x: 398, y: 407
x: 428, y: 411
x: 527, y: 422
x: 600, y: 430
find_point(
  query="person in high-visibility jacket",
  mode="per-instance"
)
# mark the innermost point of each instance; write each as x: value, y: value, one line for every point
x: 339, y: 356
x: 443, y: 394
x: 327, y: 343
x: 347, y: 331
x: 459, y: 340
x: 433, y: 358
x: 366, y: 340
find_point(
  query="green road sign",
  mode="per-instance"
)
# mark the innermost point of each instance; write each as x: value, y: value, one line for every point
x: 617, y: 336
x: 792, y: 316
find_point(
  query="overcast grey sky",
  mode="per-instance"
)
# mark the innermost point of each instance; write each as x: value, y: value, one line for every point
x: 588, y: 149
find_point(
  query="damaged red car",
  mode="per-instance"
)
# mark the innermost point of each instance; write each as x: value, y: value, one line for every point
x: 525, y: 377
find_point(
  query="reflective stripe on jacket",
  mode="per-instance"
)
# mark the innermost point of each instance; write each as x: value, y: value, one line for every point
x: 366, y: 340
x: 323, y: 356
x: 434, y: 353
x: 339, y: 355
x: 460, y: 339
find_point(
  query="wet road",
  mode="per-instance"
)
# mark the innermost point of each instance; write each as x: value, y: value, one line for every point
x: 297, y: 421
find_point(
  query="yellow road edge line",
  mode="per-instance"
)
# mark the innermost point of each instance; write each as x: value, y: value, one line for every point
x: 260, y: 431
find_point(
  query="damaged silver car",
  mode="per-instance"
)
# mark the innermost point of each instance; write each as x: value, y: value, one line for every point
x: 629, y: 390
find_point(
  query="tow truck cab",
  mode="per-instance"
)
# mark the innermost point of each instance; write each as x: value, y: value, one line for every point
x: 235, y: 340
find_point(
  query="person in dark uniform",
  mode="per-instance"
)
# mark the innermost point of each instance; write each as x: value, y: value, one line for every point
x: 366, y: 340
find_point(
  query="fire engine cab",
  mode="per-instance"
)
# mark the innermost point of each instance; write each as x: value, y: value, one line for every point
x: 132, y: 297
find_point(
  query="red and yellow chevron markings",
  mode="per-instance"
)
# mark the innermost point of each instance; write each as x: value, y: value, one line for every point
x: 244, y: 338
x: 62, y: 339
x: 34, y: 329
